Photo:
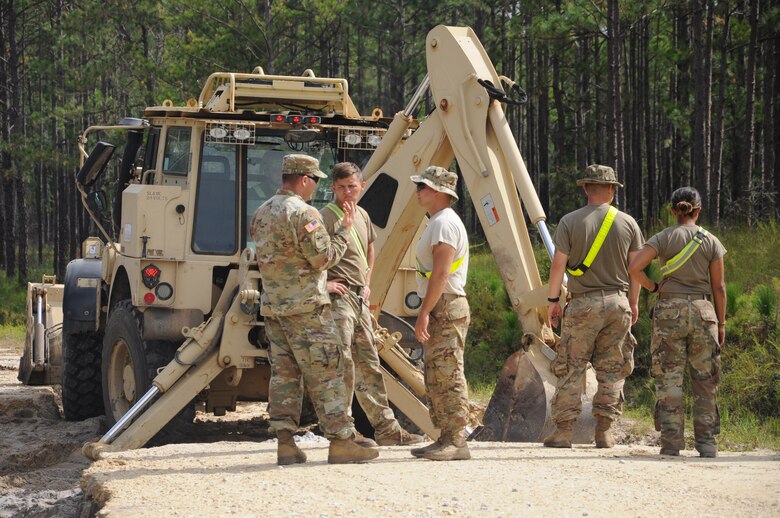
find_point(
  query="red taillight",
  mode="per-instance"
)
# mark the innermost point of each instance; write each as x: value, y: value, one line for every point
x: 294, y: 119
x: 150, y: 276
x: 278, y: 118
x: 149, y: 298
x: 313, y: 120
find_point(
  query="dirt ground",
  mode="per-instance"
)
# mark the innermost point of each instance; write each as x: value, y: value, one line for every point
x: 42, y: 473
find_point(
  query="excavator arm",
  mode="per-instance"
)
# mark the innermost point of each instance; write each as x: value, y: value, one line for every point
x: 469, y: 125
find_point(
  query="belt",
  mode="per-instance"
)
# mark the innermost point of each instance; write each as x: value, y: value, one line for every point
x: 596, y: 293
x: 448, y: 297
x: 688, y: 296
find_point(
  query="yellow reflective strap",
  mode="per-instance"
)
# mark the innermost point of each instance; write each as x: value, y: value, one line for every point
x: 455, y: 265
x: 674, y: 264
x: 340, y: 215
x: 596, y: 246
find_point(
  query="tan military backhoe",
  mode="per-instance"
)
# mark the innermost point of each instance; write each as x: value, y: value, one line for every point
x: 162, y: 313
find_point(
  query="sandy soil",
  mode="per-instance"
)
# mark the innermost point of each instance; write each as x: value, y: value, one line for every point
x: 42, y: 473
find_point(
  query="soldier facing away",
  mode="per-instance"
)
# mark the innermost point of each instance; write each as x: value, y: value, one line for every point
x: 293, y: 253
x: 443, y: 319
x: 348, y: 285
x: 594, y: 245
x: 687, y: 328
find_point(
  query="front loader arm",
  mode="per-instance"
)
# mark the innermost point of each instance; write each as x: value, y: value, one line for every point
x: 469, y: 126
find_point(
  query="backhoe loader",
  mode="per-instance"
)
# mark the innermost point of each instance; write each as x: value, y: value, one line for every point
x: 161, y: 312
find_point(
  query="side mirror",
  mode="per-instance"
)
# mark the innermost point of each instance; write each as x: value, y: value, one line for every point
x: 96, y: 201
x: 95, y: 164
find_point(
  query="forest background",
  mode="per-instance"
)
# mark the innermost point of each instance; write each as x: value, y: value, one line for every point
x: 669, y: 93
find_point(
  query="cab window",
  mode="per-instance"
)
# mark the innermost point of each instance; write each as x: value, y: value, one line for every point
x: 216, y: 220
x: 177, y: 150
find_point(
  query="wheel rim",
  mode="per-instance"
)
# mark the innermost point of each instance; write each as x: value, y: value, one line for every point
x: 121, y: 380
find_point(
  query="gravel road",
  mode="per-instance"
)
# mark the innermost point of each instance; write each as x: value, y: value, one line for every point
x: 42, y: 473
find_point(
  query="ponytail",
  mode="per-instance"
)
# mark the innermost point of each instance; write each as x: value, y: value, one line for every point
x: 685, y: 201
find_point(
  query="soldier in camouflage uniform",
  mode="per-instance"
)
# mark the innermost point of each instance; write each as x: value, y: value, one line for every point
x: 293, y: 253
x: 687, y: 328
x: 443, y: 319
x: 597, y: 321
x: 348, y: 285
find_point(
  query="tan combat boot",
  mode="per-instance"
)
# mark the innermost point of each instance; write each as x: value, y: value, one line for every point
x: 435, y: 445
x: 288, y: 452
x: 453, y: 448
x: 364, y: 441
x: 604, y: 437
x: 400, y: 438
x: 561, y: 437
x: 347, y: 451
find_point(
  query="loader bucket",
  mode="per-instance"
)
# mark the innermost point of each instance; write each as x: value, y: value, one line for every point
x: 41, y: 362
x: 520, y: 407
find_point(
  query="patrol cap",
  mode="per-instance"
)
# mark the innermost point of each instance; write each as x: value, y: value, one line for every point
x: 599, y: 174
x: 303, y: 165
x: 438, y: 179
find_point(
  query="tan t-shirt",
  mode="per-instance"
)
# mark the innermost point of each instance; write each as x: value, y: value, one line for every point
x: 353, y: 266
x: 575, y: 235
x: 694, y: 275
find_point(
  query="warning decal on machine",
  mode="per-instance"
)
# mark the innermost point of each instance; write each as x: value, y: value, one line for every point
x: 490, y: 209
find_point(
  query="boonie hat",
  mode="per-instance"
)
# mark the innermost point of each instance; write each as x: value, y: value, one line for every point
x: 438, y: 179
x: 304, y: 165
x: 599, y: 174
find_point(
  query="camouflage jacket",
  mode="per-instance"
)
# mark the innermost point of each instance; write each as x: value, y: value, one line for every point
x: 293, y: 253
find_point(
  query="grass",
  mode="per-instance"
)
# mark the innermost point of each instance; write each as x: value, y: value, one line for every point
x: 12, y: 336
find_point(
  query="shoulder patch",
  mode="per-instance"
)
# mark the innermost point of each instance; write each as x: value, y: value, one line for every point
x: 312, y: 225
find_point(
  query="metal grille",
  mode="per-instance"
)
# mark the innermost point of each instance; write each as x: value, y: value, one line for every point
x: 360, y: 138
x: 224, y: 132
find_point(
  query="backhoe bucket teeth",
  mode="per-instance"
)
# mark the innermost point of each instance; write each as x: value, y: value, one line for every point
x: 520, y: 407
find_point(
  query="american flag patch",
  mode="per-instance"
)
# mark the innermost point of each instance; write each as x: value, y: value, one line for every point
x: 312, y: 225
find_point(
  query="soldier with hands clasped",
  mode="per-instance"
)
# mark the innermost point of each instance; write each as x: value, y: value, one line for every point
x: 689, y: 324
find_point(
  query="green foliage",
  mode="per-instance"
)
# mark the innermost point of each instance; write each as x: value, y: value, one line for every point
x: 752, y: 380
x: 13, y: 295
x: 765, y: 302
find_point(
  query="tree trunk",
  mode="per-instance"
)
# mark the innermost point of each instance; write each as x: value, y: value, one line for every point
x: 716, y: 179
x: 615, y: 105
x: 750, y: 101
x: 702, y: 105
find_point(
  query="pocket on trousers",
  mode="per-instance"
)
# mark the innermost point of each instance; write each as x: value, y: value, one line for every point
x: 319, y: 354
x: 629, y: 344
x: 457, y: 309
x: 560, y: 366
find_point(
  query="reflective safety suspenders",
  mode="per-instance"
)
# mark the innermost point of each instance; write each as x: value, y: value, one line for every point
x: 596, y: 246
x: 674, y: 264
x: 455, y: 265
x: 361, y: 248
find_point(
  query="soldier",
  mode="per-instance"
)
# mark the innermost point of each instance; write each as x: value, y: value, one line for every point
x: 594, y: 245
x: 348, y: 285
x: 293, y: 252
x: 443, y: 320
x: 687, y: 328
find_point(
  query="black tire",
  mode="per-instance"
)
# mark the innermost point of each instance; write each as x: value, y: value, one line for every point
x: 130, y: 365
x: 82, y: 393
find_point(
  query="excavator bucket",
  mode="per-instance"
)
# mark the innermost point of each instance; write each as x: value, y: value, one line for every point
x: 41, y: 362
x: 520, y: 407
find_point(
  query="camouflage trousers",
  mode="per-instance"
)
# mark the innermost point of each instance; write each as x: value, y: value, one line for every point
x: 596, y: 329
x: 362, y: 372
x: 445, y: 382
x: 305, y: 348
x: 685, y: 332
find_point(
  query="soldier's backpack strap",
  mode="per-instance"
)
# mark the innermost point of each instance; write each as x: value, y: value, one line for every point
x: 596, y: 246
x: 674, y: 264
x: 454, y: 266
x: 335, y: 209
